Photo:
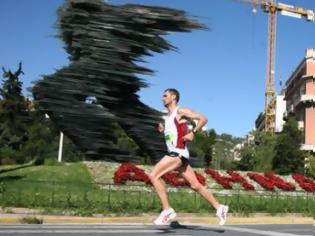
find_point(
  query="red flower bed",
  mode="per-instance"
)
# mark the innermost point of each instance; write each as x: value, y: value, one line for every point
x: 262, y: 181
x: 305, y: 183
x: 280, y: 183
x: 238, y: 178
x: 129, y: 171
x: 224, y: 181
x: 175, y: 179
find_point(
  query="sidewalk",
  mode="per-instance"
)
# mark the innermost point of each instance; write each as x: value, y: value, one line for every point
x: 184, y: 218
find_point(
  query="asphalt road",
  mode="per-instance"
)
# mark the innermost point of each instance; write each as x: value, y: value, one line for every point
x: 148, y: 230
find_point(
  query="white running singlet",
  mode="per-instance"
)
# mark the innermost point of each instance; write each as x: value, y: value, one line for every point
x: 174, y: 132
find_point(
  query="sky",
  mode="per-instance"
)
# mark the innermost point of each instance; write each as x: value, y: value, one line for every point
x: 219, y: 72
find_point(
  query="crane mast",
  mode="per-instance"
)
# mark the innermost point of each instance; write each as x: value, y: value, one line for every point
x: 272, y: 7
x: 270, y: 77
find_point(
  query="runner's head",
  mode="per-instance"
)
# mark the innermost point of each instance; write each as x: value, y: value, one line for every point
x: 170, y: 95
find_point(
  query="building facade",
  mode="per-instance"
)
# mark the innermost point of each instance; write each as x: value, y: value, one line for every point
x: 300, y: 98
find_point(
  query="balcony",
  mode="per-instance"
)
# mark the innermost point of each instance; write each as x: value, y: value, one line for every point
x: 308, y: 147
x: 308, y: 98
x: 304, y: 99
x: 301, y: 125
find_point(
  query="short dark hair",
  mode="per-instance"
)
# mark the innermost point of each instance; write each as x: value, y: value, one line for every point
x: 173, y: 91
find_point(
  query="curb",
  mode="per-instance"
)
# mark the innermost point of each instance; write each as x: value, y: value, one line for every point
x: 193, y: 219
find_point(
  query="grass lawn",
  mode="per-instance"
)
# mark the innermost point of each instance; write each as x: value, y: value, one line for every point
x: 76, y: 172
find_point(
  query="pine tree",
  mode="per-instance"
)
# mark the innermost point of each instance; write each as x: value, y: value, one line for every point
x: 13, y: 111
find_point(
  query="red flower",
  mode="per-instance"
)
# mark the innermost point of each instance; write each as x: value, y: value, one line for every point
x: 175, y: 179
x: 264, y: 182
x: 129, y: 171
x: 305, y: 183
x: 224, y: 181
x: 238, y: 178
x: 280, y: 183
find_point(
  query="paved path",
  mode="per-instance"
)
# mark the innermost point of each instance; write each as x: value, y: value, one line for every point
x: 149, y: 230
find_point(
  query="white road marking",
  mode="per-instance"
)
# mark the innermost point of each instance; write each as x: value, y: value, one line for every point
x: 261, y: 232
x: 47, y: 231
x: 72, y: 226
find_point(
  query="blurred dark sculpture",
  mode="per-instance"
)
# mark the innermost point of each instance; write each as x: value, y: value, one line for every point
x: 104, y: 43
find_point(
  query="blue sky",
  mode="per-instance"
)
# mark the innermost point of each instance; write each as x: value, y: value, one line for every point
x: 219, y: 72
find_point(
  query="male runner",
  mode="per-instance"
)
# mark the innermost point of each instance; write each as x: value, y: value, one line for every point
x: 176, y: 134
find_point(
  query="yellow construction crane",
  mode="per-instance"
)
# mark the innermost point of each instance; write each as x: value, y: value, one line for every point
x: 272, y: 7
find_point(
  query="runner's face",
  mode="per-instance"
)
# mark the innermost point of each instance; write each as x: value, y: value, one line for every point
x: 168, y: 98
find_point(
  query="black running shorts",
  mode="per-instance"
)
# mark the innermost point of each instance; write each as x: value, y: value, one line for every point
x: 184, y: 160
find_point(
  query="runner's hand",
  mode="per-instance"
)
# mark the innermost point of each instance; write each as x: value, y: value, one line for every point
x: 161, y: 128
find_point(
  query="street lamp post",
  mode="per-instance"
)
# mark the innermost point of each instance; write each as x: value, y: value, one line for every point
x: 60, y: 147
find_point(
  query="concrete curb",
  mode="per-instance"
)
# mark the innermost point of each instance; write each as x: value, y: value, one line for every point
x: 12, y: 215
x: 148, y: 219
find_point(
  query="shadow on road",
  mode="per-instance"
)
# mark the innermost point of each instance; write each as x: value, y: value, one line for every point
x: 176, y: 225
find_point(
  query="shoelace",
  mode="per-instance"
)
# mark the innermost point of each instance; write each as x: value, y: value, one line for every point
x: 166, y: 217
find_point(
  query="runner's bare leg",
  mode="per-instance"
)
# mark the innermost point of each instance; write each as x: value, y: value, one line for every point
x: 166, y: 164
x: 189, y: 175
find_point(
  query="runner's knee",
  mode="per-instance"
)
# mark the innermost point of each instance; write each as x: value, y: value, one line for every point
x: 152, y: 177
x: 196, y: 187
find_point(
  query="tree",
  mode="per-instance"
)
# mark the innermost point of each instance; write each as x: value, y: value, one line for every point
x: 223, y: 157
x: 264, y: 151
x: 13, y: 111
x: 247, y: 161
x: 310, y: 166
x: 288, y: 157
x: 258, y: 156
x: 202, y: 145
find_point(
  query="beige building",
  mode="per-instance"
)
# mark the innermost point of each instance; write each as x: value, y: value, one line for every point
x: 280, y: 109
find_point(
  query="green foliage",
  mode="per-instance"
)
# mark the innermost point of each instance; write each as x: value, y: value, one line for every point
x: 201, y: 146
x: 71, y: 152
x: 278, y: 152
x: 264, y: 152
x: 9, y: 156
x: 247, y: 161
x: 222, y: 155
x: 25, y: 134
x: 42, y: 142
x: 288, y: 157
x: 124, y: 142
x: 13, y: 112
x: 310, y: 166
x: 258, y: 156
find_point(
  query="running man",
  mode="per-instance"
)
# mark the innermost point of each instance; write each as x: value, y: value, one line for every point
x: 176, y: 135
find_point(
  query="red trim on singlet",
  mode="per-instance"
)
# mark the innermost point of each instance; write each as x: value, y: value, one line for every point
x: 182, y: 130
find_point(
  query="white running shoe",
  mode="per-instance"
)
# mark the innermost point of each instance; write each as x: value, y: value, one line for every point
x: 222, y: 214
x: 165, y: 217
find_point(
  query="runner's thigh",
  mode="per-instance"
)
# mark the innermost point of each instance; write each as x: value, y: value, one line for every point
x: 166, y: 164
